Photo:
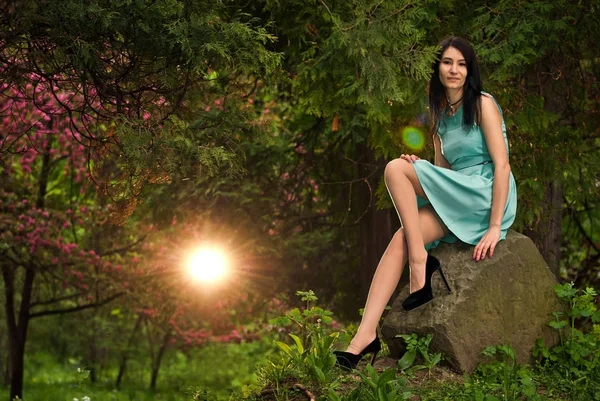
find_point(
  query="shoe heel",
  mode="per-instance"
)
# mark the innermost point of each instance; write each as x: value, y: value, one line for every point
x: 444, y: 279
x: 373, y: 358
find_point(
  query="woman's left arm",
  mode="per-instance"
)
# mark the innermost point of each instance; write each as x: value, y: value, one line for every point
x: 491, y: 125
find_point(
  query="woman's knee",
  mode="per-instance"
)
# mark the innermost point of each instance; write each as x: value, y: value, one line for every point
x: 394, y: 168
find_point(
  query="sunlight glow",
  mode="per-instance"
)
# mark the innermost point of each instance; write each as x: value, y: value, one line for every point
x: 208, y: 265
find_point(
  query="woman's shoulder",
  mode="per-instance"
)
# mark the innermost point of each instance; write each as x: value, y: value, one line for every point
x: 489, y: 102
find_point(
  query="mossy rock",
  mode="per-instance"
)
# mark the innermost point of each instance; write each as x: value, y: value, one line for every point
x: 508, y: 299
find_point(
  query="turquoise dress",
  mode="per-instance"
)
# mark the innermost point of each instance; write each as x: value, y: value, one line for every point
x: 462, y: 195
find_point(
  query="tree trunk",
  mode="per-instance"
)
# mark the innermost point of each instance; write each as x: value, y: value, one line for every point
x: 93, y: 359
x: 4, y: 358
x: 17, y: 330
x: 377, y: 227
x: 125, y: 355
x: 547, y: 235
x: 17, y: 363
x: 6, y: 376
x: 376, y: 231
x: 156, y: 363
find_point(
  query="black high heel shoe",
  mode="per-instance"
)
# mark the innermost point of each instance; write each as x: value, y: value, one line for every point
x: 425, y: 295
x: 348, y: 360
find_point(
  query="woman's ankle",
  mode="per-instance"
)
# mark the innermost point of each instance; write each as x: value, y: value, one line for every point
x: 417, y: 259
x: 360, y: 341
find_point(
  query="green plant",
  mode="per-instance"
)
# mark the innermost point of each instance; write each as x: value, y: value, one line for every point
x: 310, y: 352
x: 308, y: 321
x: 420, y: 345
x: 385, y: 386
x: 375, y: 387
x: 573, y: 366
x: 504, y: 376
x: 202, y: 394
x: 317, y: 360
x: 275, y: 370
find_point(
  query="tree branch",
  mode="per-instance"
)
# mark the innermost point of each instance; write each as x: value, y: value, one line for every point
x: 55, y: 300
x: 76, y: 308
x: 123, y: 249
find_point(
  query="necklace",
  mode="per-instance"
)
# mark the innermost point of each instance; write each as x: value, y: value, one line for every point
x: 451, y: 105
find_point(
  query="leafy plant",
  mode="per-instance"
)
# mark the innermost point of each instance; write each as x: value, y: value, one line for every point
x: 573, y: 366
x: 308, y: 321
x: 420, y: 345
x: 317, y: 360
x: 504, y: 376
x: 385, y: 386
x: 310, y: 353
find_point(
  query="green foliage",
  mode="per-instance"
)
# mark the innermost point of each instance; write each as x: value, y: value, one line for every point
x: 311, y: 354
x: 502, y: 378
x: 221, y: 371
x: 573, y: 366
x: 332, y: 83
x: 420, y: 345
x: 384, y: 386
x: 309, y: 322
x: 317, y: 361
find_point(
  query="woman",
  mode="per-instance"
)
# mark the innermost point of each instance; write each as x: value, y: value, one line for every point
x: 469, y: 194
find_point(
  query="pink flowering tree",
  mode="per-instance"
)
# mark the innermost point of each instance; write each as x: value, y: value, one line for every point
x: 52, y: 261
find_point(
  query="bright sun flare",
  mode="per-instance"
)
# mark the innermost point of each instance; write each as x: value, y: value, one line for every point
x: 207, y: 265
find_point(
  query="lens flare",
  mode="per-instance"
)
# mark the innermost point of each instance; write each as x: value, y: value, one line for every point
x: 413, y: 138
x: 208, y: 265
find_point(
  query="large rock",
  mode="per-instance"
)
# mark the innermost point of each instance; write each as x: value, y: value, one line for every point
x: 508, y: 299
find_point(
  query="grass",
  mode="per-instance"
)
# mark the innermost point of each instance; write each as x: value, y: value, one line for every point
x: 222, y: 368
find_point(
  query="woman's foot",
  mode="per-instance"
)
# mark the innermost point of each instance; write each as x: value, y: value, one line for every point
x: 417, y: 271
x: 424, y: 295
x: 348, y: 360
x: 360, y: 342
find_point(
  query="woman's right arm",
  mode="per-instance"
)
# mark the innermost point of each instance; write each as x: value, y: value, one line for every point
x: 439, y: 159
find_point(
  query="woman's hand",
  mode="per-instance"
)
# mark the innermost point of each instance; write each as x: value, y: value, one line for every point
x: 487, y: 242
x: 410, y: 158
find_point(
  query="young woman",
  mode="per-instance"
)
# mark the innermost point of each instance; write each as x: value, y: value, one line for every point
x: 468, y: 194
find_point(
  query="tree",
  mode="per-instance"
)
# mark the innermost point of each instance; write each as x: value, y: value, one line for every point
x: 362, y: 67
x: 44, y: 218
x: 109, y: 101
x: 545, y: 73
x: 146, y: 65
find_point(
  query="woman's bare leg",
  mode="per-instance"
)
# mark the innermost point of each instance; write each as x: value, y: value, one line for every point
x: 388, y: 274
x: 403, y: 185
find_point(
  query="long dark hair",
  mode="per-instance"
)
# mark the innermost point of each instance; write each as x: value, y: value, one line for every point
x: 471, y: 91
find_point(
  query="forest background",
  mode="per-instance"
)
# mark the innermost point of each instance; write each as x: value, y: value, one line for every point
x: 135, y: 131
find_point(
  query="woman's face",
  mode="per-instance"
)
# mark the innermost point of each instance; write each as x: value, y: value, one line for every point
x: 453, y: 69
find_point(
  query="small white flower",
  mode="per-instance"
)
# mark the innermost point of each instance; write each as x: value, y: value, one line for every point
x: 86, y: 398
x: 75, y: 399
